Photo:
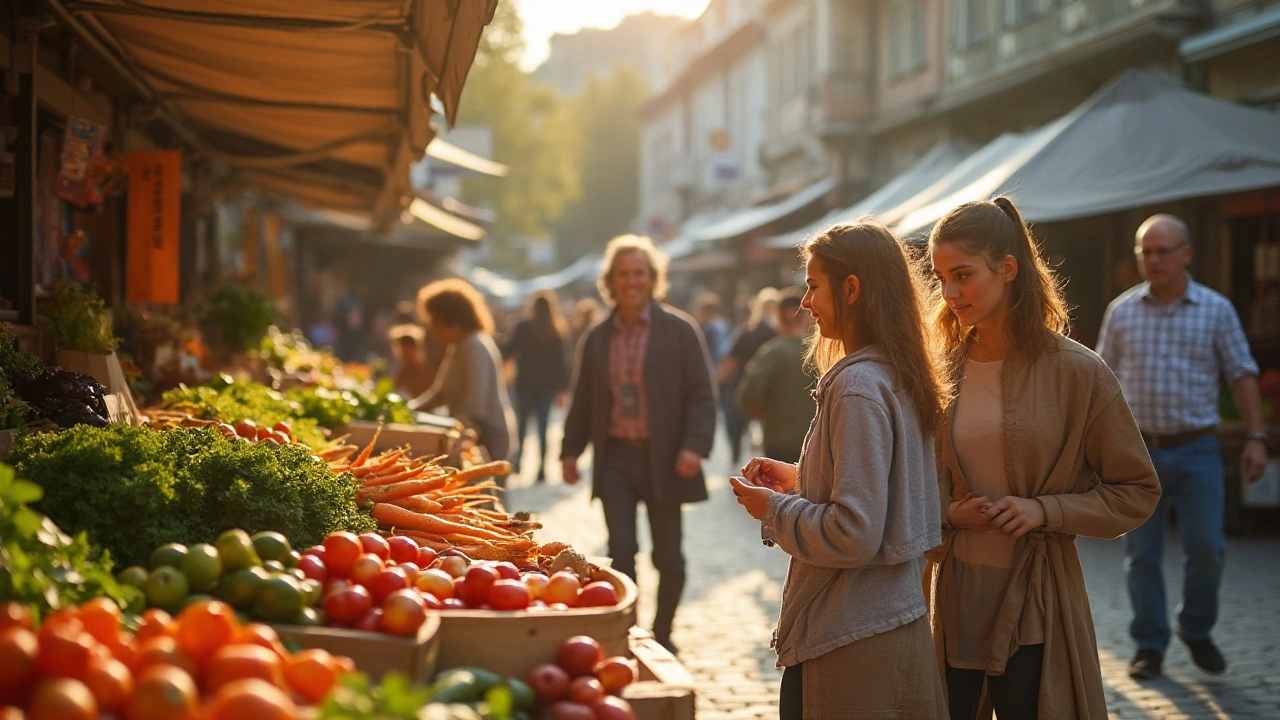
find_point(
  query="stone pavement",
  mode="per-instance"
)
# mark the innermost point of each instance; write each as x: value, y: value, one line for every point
x: 734, y: 589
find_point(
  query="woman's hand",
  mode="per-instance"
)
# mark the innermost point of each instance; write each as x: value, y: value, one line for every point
x: 777, y: 476
x: 967, y: 513
x: 755, y: 498
x: 1015, y: 516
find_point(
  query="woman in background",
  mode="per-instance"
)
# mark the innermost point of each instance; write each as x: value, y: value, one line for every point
x: 469, y: 382
x: 537, y: 346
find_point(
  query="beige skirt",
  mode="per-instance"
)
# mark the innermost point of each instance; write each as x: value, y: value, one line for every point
x: 890, y: 675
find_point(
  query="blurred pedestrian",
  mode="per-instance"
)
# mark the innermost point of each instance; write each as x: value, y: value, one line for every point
x: 1039, y: 447
x: 542, y: 371
x: 775, y: 385
x: 862, y: 508
x: 411, y: 377
x: 643, y: 399
x: 586, y: 313
x: 1170, y: 340
x: 469, y: 382
x: 715, y: 329
x: 759, y: 328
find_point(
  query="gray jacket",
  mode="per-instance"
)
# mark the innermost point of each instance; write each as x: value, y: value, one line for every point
x: 678, y: 392
x: 864, y: 511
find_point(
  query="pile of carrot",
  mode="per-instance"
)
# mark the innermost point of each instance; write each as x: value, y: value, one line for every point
x: 437, y: 506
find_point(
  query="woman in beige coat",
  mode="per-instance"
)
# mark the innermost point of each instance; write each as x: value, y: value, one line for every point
x: 1038, y: 447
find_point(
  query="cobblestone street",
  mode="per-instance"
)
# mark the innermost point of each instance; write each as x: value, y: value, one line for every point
x: 735, y: 582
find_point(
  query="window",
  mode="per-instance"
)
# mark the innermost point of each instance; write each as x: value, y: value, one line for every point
x: 907, y: 32
x: 1017, y: 12
x: 969, y: 25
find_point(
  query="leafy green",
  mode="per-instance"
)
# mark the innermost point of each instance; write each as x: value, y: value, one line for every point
x: 234, y: 400
x: 134, y: 489
x: 332, y: 408
x: 395, y: 698
x: 14, y: 364
x: 81, y: 321
x: 43, y: 568
x: 238, y: 317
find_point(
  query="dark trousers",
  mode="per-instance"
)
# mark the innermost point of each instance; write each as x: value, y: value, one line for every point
x: 536, y: 403
x: 1015, y: 695
x: 625, y: 482
x: 735, y: 422
x: 791, y: 698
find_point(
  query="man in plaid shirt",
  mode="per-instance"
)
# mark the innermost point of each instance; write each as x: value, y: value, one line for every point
x: 1169, y: 341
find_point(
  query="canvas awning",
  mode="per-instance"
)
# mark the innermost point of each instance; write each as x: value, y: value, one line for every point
x: 755, y: 218
x: 926, y: 171
x: 1142, y: 139
x: 439, y: 149
x: 328, y: 101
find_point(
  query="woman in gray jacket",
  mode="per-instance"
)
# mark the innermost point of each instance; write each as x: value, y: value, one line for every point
x: 861, y: 508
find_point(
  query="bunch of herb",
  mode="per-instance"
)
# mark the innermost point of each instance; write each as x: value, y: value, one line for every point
x: 234, y: 400
x: 80, y: 321
x: 134, y: 489
x: 42, y: 567
x: 14, y: 365
x: 239, y: 318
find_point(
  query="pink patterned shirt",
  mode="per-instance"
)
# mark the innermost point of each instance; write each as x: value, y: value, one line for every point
x: 628, y: 416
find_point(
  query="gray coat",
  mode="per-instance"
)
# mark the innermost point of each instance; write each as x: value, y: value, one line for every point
x: 863, y: 513
x: 678, y: 390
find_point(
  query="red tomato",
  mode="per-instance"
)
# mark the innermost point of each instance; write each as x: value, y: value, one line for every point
x: 376, y: 544
x: 476, y: 584
x: 508, y: 595
x: 579, y: 655
x: 340, y: 552
x: 387, y: 582
x: 506, y: 570
x: 426, y: 556
x: 371, y: 622
x: 247, y: 429
x: 403, y: 549
x: 313, y: 567
x: 348, y: 605
x: 436, y: 583
x: 598, y: 594
x: 403, y: 612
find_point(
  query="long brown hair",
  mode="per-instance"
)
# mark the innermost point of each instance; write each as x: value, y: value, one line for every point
x: 544, y: 311
x: 888, y: 311
x: 1037, y: 312
x: 454, y: 301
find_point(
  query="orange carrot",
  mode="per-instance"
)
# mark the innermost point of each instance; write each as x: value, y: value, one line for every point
x: 383, y: 493
x: 418, y: 503
x: 399, y: 517
x: 381, y: 463
x: 497, y: 467
x: 390, y: 479
x: 364, y: 456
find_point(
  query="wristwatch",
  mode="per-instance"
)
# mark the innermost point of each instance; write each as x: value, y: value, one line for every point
x: 1259, y: 436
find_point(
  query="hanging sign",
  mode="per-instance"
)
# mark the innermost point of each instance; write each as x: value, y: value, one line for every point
x: 154, y: 197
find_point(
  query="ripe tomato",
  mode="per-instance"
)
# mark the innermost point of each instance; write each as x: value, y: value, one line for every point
x: 163, y: 692
x: 366, y: 568
x: 509, y: 595
x: 340, y: 552
x: 61, y: 699
x: 156, y: 623
x: 65, y: 653
x: 162, y: 651
x: 598, y: 594
x: 313, y: 567
x: 403, y: 613
x: 236, y: 662
x: 403, y: 549
x: 376, y: 544
x: 311, y: 673
x: 19, y: 648
x: 204, y: 627
x: 111, y: 684
x: 251, y: 698
x: 387, y: 582
x: 101, y: 618
x: 562, y: 588
x: 348, y: 605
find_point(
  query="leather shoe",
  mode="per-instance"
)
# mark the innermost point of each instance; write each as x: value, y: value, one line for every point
x: 1205, y: 654
x: 1146, y: 664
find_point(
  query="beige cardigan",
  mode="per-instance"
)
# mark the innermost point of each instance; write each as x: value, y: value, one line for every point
x: 1072, y: 443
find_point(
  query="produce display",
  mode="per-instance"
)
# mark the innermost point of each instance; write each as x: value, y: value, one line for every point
x: 29, y: 391
x: 14, y: 365
x: 83, y: 663
x: 582, y: 684
x: 133, y: 489
x: 232, y: 401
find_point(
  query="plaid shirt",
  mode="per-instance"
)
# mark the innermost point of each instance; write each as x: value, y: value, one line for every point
x: 1169, y: 358
x: 627, y: 346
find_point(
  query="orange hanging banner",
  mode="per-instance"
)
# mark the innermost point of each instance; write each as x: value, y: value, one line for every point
x: 154, y: 203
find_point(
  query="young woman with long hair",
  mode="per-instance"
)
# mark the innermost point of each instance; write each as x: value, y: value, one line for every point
x: 861, y: 508
x: 537, y: 346
x: 1037, y: 447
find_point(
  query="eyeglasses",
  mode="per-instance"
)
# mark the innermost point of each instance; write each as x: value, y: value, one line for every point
x: 1157, y: 252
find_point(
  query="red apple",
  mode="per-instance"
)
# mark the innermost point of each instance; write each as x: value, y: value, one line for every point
x: 507, y: 571
x: 586, y: 690
x: 366, y: 568
x: 562, y: 588
x: 426, y: 556
x: 598, y: 594
x: 376, y: 544
x: 476, y: 584
x: 348, y: 605
x: 614, y: 673
x: 435, y: 582
x: 571, y: 711
x: 549, y: 682
x: 403, y: 612
x: 613, y: 708
x: 402, y: 549
x: 579, y: 655
x: 387, y: 582
x: 371, y: 622
x: 508, y: 595
x: 313, y: 567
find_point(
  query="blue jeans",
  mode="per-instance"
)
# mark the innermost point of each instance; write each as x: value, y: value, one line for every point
x: 1191, y: 480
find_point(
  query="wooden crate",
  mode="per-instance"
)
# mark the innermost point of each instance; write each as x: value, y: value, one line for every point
x: 422, y: 440
x: 512, y: 643
x: 376, y: 653
x: 664, y: 689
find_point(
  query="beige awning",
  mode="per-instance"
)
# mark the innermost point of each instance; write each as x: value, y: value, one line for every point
x: 328, y: 101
